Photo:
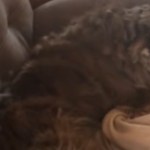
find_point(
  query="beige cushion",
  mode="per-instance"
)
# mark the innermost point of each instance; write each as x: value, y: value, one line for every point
x: 16, y: 19
x: 125, y: 133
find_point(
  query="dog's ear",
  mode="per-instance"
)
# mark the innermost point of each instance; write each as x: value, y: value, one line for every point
x: 26, y: 84
x: 57, y: 78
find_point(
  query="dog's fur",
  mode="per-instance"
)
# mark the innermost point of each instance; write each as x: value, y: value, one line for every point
x: 104, y: 53
x: 74, y: 78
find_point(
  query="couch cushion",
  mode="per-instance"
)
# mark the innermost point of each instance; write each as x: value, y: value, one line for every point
x: 54, y: 15
x: 37, y: 3
x: 16, y: 19
x: 123, y: 132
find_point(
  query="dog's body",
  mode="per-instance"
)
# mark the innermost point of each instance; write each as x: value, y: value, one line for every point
x: 105, y: 52
x: 74, y: 78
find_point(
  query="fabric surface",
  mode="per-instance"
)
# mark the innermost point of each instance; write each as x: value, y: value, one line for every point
x: 37, y: 3
x: 54, y: 15
x: 126, y: 133
x: 16, y: 25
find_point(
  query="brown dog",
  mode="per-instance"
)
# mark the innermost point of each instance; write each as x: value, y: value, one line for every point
x: 74, y: 78
x: 105, y: 52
